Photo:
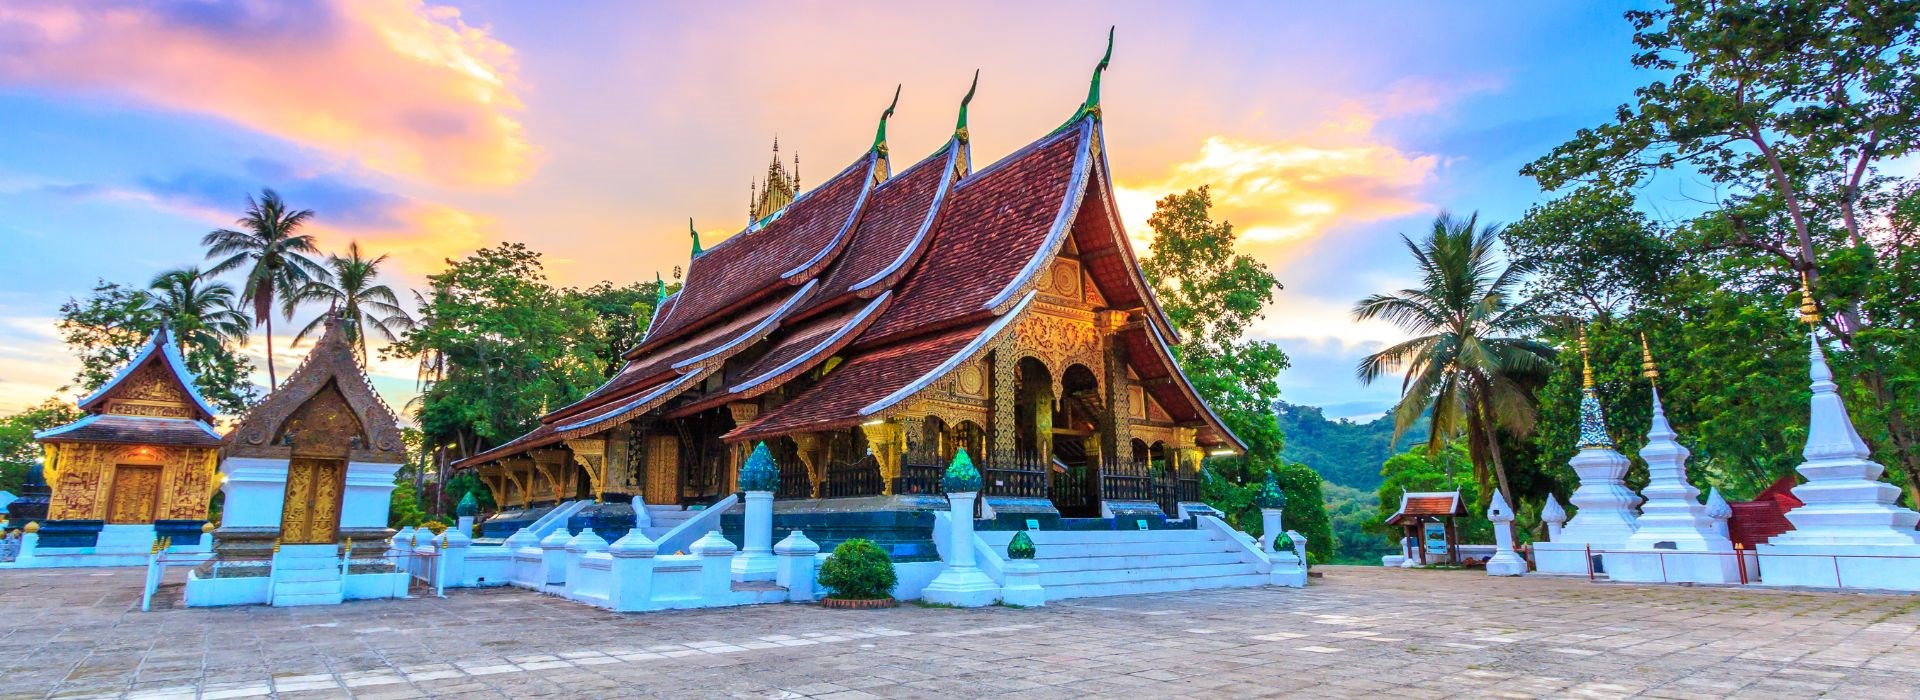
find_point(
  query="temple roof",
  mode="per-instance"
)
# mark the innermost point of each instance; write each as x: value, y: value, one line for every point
x: 134, y: 430
x: 849, y: 393
x: 788, y: 249
x: 330, y: 366
x: 1418, y: 504
x: 160, y: 350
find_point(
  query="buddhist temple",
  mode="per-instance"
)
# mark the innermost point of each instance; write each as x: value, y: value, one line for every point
x: 867, y: 329
x: 137, y: 468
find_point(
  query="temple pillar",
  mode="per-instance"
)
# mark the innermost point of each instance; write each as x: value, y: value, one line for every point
x: 884, y: 438
x: 808, y: 445
x: 591, y: 454
x: 1001, y: 391
x: 1116, y: 434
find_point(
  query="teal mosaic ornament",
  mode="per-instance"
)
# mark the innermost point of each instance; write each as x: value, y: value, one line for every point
x: 468, y: 506
x: 1270, y: 495
x: 1282, y: 542
x: 1593, y: 424
x: 961, y: 476
x: 1021, y: 547
x: 760, y: 473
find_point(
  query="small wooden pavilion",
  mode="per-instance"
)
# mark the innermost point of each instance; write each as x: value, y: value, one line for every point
x: 1428, y: 517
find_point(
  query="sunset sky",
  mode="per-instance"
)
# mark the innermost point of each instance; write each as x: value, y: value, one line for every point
x: 592, y: 130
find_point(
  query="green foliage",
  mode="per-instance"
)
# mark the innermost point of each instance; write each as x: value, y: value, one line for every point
x: 1343, y: 451
x: 498, y: 347
x: 270, y: 251
x: 17, y: 448
x: 108, y: 328
x: 365, y: 307
x: 621, y: 316
x: 859, y: 570
x: 1800, y: 115
x: 1413, y: 471
x: 404, y: 505
x: 1231, y: 488
x: 1355, y: 524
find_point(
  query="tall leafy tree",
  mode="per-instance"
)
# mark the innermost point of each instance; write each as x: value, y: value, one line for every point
x: 108, y: 327
x: 272, y: 252
x: 1213, y: 294
x: 1793, y: 110
x: 1471, y: 358
x: 18, y: 449
x: 351, y: 290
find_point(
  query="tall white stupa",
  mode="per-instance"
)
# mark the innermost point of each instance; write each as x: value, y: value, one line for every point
x: 1678, y: 539
x: 1850, y: 533
x: 1605, y: 517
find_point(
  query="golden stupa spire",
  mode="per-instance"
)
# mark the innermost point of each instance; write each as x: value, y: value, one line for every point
x: 1586, y: 362
x: 1809, y: 311
x: 1647, y: 367
x: 777, y: 190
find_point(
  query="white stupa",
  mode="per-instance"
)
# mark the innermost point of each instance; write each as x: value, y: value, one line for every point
x: 1850, y: 533
x: 1674, y: 530
x: 1605, y: 517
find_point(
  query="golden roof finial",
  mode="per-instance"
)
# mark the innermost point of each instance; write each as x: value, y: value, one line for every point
x: 1586, y: 362
x: 1809, y: 311
x: 1647, y: 367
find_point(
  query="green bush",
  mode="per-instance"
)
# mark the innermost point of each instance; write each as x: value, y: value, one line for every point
x: 859, y: 570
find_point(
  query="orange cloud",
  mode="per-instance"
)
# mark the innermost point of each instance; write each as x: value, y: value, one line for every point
x: 396, y: 85
x: 1293, y: 190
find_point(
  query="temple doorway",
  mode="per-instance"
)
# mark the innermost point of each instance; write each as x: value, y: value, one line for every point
x: 136, y: 494
x: 311, y: 512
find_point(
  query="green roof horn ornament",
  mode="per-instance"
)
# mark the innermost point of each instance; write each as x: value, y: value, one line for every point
x: 659, y: 290
x: 696, y: 238
x: 760, y: 473
x: 960, y: 126
x: 880, y: 134
x: 961, y: 476
x: 1270, y: 495
x: 1091, y: 108
x: 1021, y: 547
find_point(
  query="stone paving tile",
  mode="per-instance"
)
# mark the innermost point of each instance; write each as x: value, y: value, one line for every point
x: 1358, y: 632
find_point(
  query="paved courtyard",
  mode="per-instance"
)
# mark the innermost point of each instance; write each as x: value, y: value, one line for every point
x: 1357, y: 631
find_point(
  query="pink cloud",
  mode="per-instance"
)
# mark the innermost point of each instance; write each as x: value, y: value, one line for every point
x: 395, y: 85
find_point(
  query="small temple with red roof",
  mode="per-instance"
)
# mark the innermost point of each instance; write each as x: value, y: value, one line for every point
x: 870, y: 327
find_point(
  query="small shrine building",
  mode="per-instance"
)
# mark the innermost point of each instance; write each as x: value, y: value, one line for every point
x: 138, y: 467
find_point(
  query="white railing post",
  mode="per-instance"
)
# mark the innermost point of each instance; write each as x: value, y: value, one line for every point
x: 630, y: 576
x: 796, y: 569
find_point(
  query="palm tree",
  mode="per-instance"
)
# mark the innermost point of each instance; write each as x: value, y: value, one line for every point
x: 199, y: 310
x: 350, y: 292
x: 1470, y: 350
x: 274, y: 255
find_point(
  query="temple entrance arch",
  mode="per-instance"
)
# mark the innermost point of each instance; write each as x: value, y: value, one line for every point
x: 320, y: 434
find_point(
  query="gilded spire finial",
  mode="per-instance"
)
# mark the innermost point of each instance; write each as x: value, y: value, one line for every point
x: 960, y: 127
x: 880, y: 134
x: 1809, y: 311
x: 1647, y: 367
x: 696, y: 237
x: 1586, y: 363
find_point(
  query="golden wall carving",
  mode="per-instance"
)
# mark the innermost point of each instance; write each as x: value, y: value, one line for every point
x: 82, y: 477
x: 663, y: 470
x: 310, y: 513
x: 330, y: 363
x: 151, y: 391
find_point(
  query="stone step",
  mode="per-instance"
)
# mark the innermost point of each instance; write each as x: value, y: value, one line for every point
x: 1143, y: 574
x: 284, y: 601
x: 1100, y: 537
x: 306, y: 563
x: 1093, y: 563
x: 300, y: 575
x: 284, y: 588
x: 1091, y: 590
x: 1046, y: 552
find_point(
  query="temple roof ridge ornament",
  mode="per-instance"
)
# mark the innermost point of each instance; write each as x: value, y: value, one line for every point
x: 1090, y: 109
x: 695, y: 234
x: 882, y: 164
x: 962, y: 138
x: 160, y: 343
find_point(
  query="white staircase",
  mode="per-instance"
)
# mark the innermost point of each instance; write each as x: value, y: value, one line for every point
x: 307, y: 574
x: 664, y: 519
x: 1082, y: 564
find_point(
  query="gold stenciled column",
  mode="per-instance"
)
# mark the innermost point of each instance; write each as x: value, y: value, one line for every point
x: 1002, y: 395
x: 884, y: 439
x: 591, y: 455
x: 1116, y: 433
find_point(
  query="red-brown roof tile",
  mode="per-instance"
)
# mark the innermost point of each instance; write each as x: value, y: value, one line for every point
x: 838, y: 399
x: 134, y: 430
x: 992, y: 227
x: 1428, y: 504
x: 893, y: 228
x: 787, y: 250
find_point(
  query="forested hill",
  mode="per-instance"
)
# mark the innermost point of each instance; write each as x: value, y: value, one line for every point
x: 1344, y: 452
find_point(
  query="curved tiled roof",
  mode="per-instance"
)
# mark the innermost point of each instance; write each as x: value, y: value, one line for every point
x: 161, y: 348
x: 137, y: 430
x: 898, y: 219
x: 994, y: 226
x: 788, y: 249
